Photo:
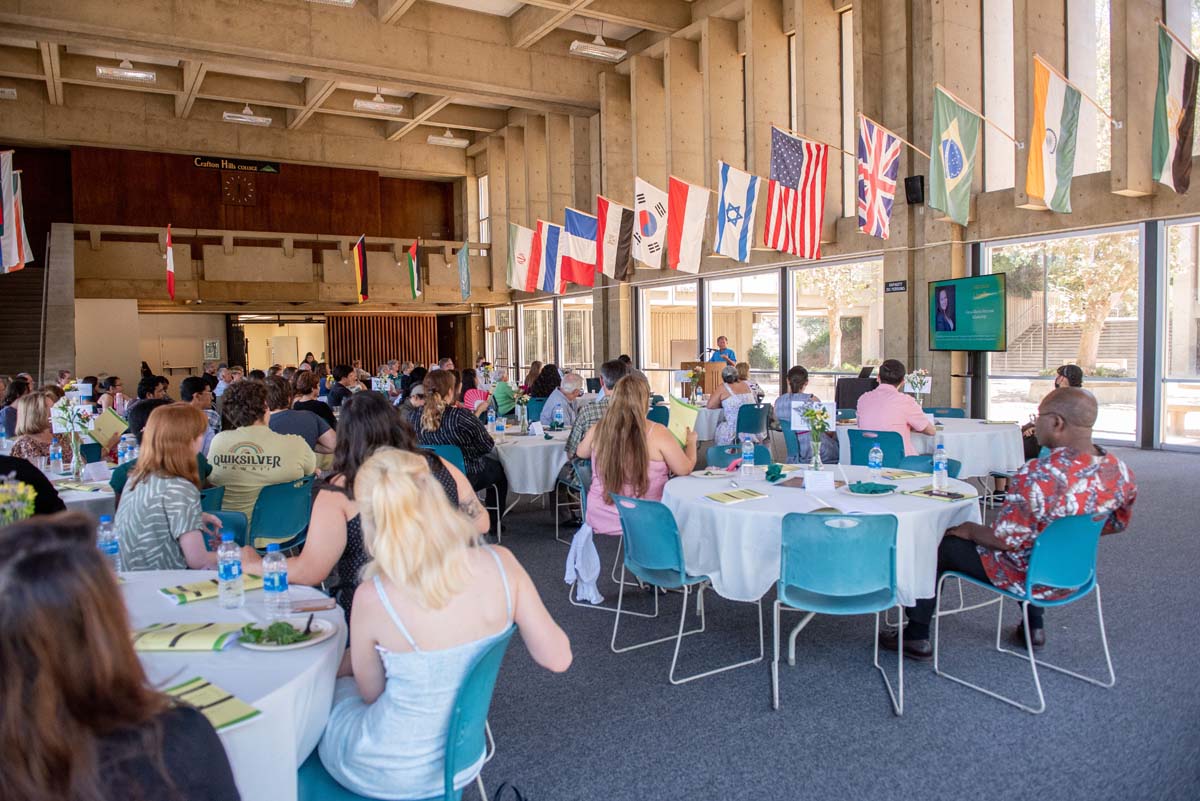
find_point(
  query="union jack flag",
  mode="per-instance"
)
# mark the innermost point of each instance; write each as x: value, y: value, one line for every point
x: 878, y: 165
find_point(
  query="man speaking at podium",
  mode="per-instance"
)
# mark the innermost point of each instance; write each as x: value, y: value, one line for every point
x: 723, y: 353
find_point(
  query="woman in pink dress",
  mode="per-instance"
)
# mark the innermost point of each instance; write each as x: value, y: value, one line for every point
x: 635, y: 454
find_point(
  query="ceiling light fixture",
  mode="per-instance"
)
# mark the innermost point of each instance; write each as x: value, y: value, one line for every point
x: 246, y: 117
x: 126, y: 72
x: 8, y: 93
x: 377, y: 103
x: 342, y: 3
x: 448, y: 139
x: 598, y: 49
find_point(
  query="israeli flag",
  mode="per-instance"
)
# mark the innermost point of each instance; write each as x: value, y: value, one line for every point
x: 737, y: 203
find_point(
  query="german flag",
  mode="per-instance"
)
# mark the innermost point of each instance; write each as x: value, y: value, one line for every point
x: 359, y: 256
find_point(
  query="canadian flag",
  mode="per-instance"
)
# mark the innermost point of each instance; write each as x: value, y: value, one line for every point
x: 170, y: 265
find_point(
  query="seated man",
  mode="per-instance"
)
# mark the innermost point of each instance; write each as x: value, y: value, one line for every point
x: 1076, y: 477
x: 610, y: 373
x: 194, y: 390
x: 886, y: 408
x: 564, y: 395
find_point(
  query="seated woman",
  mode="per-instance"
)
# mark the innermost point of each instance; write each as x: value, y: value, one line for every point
x: 729, y: 397
x: 743, y: 371
x: 159, y: 522
x: 502, y: 391
x: 474, y: 399
x: 797, y: 379
x: 306, y: 398
x: 112, y: 395
x: 1067, y: 375
x: 283, y: 419
x: 531, y: 377
x: 631, y: 456
x: 431, y: 601
x: 335, y: 538
x: 440, y: 422
x: 34, y: 434
x: 548, y: 380
x: 16, y: 389
x: 87, y: 723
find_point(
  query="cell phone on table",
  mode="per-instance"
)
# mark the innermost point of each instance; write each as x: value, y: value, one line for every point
x: 947, y: 494
x: 313, y: 605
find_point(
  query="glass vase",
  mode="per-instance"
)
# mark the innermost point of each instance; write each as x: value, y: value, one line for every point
x: 815, y: 464
x: 77, y: 461
x: 523, y: 417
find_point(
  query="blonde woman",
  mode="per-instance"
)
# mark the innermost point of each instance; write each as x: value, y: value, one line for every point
x: 431, y: 601
x: 34, y: 435
x: 631, y: 456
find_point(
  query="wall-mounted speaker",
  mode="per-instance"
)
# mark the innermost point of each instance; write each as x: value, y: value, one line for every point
x: 914, y: 189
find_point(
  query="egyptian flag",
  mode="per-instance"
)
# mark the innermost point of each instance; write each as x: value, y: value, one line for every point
x: 687, y: 209
x: 414, y: 270
x: 358, y: 255
x: 1174, y: 114
x: 614, y: 239
x: 170, y: 265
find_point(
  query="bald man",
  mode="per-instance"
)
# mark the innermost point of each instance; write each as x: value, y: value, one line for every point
x: 1076, y: 477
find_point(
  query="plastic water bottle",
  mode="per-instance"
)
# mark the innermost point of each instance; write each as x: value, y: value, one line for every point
x: 110, y: 546
x: 491, y: 419
x: 559, y: 419
x: 123, y: 449
x: 875, y: 462
x: 500, y: 425
x: 229, y: 573
x: 275, y: 583
x: 941, y: 468
x: 747, y: 457
x: 56, y: 457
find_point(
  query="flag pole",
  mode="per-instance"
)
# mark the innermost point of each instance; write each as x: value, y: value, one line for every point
x: 970, y: 108
x: 811, y: 139
x: 1115, y: 123
x: 1180, y: 42
x: 893, y: 133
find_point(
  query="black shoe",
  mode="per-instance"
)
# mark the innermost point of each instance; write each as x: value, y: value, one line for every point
x: 921, y: 650
x: 1036, y: 636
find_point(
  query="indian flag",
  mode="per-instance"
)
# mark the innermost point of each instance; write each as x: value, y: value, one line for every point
x: 1174, y: 114
x: 1052, y: 154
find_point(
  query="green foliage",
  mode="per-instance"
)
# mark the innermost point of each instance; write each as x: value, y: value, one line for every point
x: 761, y: 358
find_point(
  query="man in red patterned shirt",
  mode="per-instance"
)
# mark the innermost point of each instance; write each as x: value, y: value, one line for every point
x: 1076, y: 477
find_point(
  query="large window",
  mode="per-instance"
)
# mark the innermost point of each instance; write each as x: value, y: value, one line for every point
x: 537, y: 332
x: 499, y: 326
x: 837, y: 322
x: 745, y: 310
x: 1071, y: 300
x: 1181, y: 352
x: 668, y: 333
x: 577, y: 350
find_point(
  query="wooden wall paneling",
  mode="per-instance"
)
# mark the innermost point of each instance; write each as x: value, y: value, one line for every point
x: 416, y: 208
x: 354, y: 202
x: 376, y: 338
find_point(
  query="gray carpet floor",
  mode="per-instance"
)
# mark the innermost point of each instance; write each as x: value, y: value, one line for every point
x: 613, y: 728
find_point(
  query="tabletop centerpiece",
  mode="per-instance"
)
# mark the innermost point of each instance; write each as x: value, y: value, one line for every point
x: 73, y: 418
x: 521, y: 402
x: 695, y: 378
x: 917, y: 383
x: 16, y: 499
x: 817, y: 418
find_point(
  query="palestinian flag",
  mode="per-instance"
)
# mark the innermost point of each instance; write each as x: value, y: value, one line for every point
x: 414, y: 270
x: 359, y: 256
x: 1174, y: 114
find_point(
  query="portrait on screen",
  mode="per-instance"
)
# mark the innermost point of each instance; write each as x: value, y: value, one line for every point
x: 945, y: 309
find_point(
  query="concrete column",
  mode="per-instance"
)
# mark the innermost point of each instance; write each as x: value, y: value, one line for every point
x: 818, y: 90
x: 685, y: 110
x: 1038, y: 27
x: 518, y: 181
x: 648, y: 118
x: 582, y: 183
x: 721, y: 65
x: 766, y: 79
x: 537, y: 170
x: 60, y: 302
x: 612, y: 317
x: 561, y: 156
x: 1134, y: 81
x: 616, y: 138
x: 497, y: 158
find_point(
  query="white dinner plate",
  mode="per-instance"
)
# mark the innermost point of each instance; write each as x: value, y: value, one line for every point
x: 719, y: 473
x: 321, y: 629
x: 846, y: 490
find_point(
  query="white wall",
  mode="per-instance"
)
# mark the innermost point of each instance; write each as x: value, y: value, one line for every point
x: 106, y: 339
x: 173, y: 344
x: 310, y: 336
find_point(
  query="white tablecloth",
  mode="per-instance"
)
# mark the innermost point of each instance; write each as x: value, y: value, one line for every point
x: 706, y: 424
x: 293, y: 689
x: 738, y: 545
x: 532, y: 464
x: 983, y: 448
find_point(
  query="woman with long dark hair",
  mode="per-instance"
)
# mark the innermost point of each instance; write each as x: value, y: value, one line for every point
x: 474, y: 399
x: 797, y: 379
x: 367, y: 423
x: 79, y: 720
x: 548, y: 380
x: 531, y: 377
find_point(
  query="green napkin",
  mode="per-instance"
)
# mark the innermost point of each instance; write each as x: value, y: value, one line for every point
x: 547, y: 436
x: 870, y: 488
x: 774, y: 471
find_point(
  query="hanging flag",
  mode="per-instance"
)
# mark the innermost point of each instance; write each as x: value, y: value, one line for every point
x: 878, y: 166
x: 650, y: 223
x: 6, y: 189
x: 520, y: 255
x: 737, y: 201
x: 578, y: 248
x: 549, y: 239
x: 614, y: 239
x: 1174, y: 114
x: 951, y: 170
x: 1052, y: 139
x: 15, y: 252
x: 358, y: 257
x: 414, y: 270
x: 464, y: 271
x: 687, y: 209
x: 170, y: 265
x: 796, y: 195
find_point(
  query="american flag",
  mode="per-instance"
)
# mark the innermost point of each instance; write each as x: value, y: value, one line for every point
x: 878, y: 165
x: 796, y: 195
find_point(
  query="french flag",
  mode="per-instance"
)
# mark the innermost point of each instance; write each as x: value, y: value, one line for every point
x: 687, y: 208
x: 548, y: 240
x: 577, y: 249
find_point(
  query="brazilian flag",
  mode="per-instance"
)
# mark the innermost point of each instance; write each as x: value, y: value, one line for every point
x: 952, y: 167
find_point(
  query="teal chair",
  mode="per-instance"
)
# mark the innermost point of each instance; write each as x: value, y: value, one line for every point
x: 281, y: 513
x: 656, y: 399
x: 721, y: 456
x: 924, y: 464
x: 467, y: 736
x: 654, y: 555
x: 838, y: 565
x: 231, y: 521
x: 659, y: 414
x: 847, y: 414
x: 211, y: 499
x: 752, y: 419
x: 948, y: 412
x: 92, y: 452
x: 890, y: 442
x: 454, y: 455
x: 791, y: 441
x: 1064, y: 557
x: 533, y: 409
x: 573, y: 485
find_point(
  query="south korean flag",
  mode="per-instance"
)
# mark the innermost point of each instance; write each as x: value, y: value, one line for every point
x: 649, y: 224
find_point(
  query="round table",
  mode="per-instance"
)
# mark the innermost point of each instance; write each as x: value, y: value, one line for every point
x: 532, y: 463
x: 706, y: 424
x: 983, y: 448
x: 293, y: 689
x: 738, y: 545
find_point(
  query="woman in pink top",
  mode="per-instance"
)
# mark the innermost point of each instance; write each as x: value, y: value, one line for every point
x: 473, y: 398
x: 638, y: 455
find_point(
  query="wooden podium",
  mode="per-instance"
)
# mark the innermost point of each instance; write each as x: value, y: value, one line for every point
x: 712, y: 374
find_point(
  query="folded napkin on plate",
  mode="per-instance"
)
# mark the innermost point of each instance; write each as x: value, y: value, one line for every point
x: 734, y: 466
x: 870, y: 488
x: 774, y: 471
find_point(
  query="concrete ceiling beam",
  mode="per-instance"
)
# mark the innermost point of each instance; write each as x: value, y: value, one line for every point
x: 193, y: 77
x: 530, y: 23
x: 21, y: 62
x: 315, y: 92
x: 424, y: 107
x: 81, y: 70
x: 241, y: 89
x: 390, y: 11
x: 52, y: 67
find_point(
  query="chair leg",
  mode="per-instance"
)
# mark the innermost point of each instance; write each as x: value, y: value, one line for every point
x: 584, y: 605
x: 795, y: 633
x: 896, y: 696
x: 617, y: 560
x: 620, y: 611
x: 775, y: 660
x: 479, y: 784
x: 1105, y: 683
x: 762, y: 650
x: 491, y: 743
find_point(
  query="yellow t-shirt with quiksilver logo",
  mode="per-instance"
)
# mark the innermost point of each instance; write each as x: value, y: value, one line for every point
x: 247, y: 459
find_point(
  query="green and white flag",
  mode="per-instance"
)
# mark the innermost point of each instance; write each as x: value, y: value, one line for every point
x: 464, y: 270
x: 1052, y: 139
x: 414, y: 270
x: 1174, y: 114
x: 951, y: 170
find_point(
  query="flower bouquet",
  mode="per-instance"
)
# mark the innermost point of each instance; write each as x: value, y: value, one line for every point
x: 16, y: 500
x: 73, y: 419
x: 817, y: 417
x: 696, y: 377
x: 917, y: 383
x: 521, y: 401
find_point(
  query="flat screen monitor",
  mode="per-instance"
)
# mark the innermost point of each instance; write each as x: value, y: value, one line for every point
x: 968, y: 314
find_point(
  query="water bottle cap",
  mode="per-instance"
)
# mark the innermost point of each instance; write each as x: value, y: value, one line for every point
x: 226, y: 536
x: 105, y: 518
x: 273, y: 547
x: 941, y: 447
